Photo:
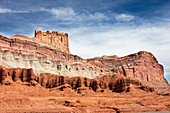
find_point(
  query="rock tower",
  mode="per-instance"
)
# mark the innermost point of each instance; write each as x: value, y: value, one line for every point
x: 54, y: 39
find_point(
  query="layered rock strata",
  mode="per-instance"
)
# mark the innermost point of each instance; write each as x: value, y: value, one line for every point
x: 49, y: 53
x: 19, y: 52
x: 55, y: 39
x: 115, y: 83
x: 142, y: 66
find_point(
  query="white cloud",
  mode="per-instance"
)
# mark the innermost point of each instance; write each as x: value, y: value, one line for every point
x: 167, y: 19
x: 124, y: 17
x: 6, y: 10
x: 68, y: 14
x: 63, y: 13
x: 97, y: 16
x: 119, y: 40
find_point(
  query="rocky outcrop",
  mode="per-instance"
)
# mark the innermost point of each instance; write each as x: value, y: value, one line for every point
x: 22, y: 52
x: 142, y: 66
x: 115, y: 83
x: 8, y: 76
x: 55, y: 40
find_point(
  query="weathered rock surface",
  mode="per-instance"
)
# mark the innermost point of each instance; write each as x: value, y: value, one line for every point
x: 142, y: 66
x: 40, y: 75
x: 22, y: 52
x: 55, y: 40
x: 49, y: 53
x: 115, y: 83
x: 8, y: 76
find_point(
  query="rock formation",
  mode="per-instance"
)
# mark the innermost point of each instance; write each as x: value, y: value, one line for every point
x: 115, y: 83
x: 142, y: 66
x: 49, y: 53
x: 19, y: 52
x: 55, y: 40
x: 40, y: 75
x: 8, y: 76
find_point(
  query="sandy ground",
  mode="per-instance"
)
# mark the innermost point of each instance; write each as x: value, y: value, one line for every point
x: 29, y: 99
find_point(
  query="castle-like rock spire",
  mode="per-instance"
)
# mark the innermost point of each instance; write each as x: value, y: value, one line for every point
x: 54, y: 39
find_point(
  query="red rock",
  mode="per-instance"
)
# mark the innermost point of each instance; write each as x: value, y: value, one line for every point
x: 134, y: 78
x: 55, y: 39
x: 8, y: 76
x: 142, y: 66
x: 115, y: 83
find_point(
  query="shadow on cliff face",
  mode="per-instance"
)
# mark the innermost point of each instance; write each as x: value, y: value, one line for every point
x: 114, y: 83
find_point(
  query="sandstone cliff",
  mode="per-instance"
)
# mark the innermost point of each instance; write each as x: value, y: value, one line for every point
x: 115, y: 83
x: 9, y: 76
x: 49, y: 53
x: 142, y: 66
x: 55, y: 40
x: 19, y: 52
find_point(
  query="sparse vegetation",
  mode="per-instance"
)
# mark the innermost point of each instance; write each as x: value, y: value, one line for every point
x: 78, y: 101
x: 62, y: 94
x: 52, y: 104
x: 139, y: 102
x: 99, y: 102
x: 83, y: 106
x: 52, y: 99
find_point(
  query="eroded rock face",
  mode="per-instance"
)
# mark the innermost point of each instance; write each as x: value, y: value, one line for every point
x: 142, y: 66
x: 55, y: 40
x: 22, y: 52
x: 8, y: 76
x: 49, y: 53
x: 115, y: 83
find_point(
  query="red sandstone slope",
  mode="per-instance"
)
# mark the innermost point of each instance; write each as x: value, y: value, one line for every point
x: 115, y: 83
x: 142, y: 66
x: 22, y: 91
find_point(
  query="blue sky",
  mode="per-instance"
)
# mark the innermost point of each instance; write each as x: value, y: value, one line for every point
x: 95, y: 27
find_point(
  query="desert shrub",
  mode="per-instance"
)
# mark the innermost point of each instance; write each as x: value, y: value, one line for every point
x: 139, y: 102
x: 52, y: 99
x: 83, y: 106
x: 78, y: 101
x: 62, y: 94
